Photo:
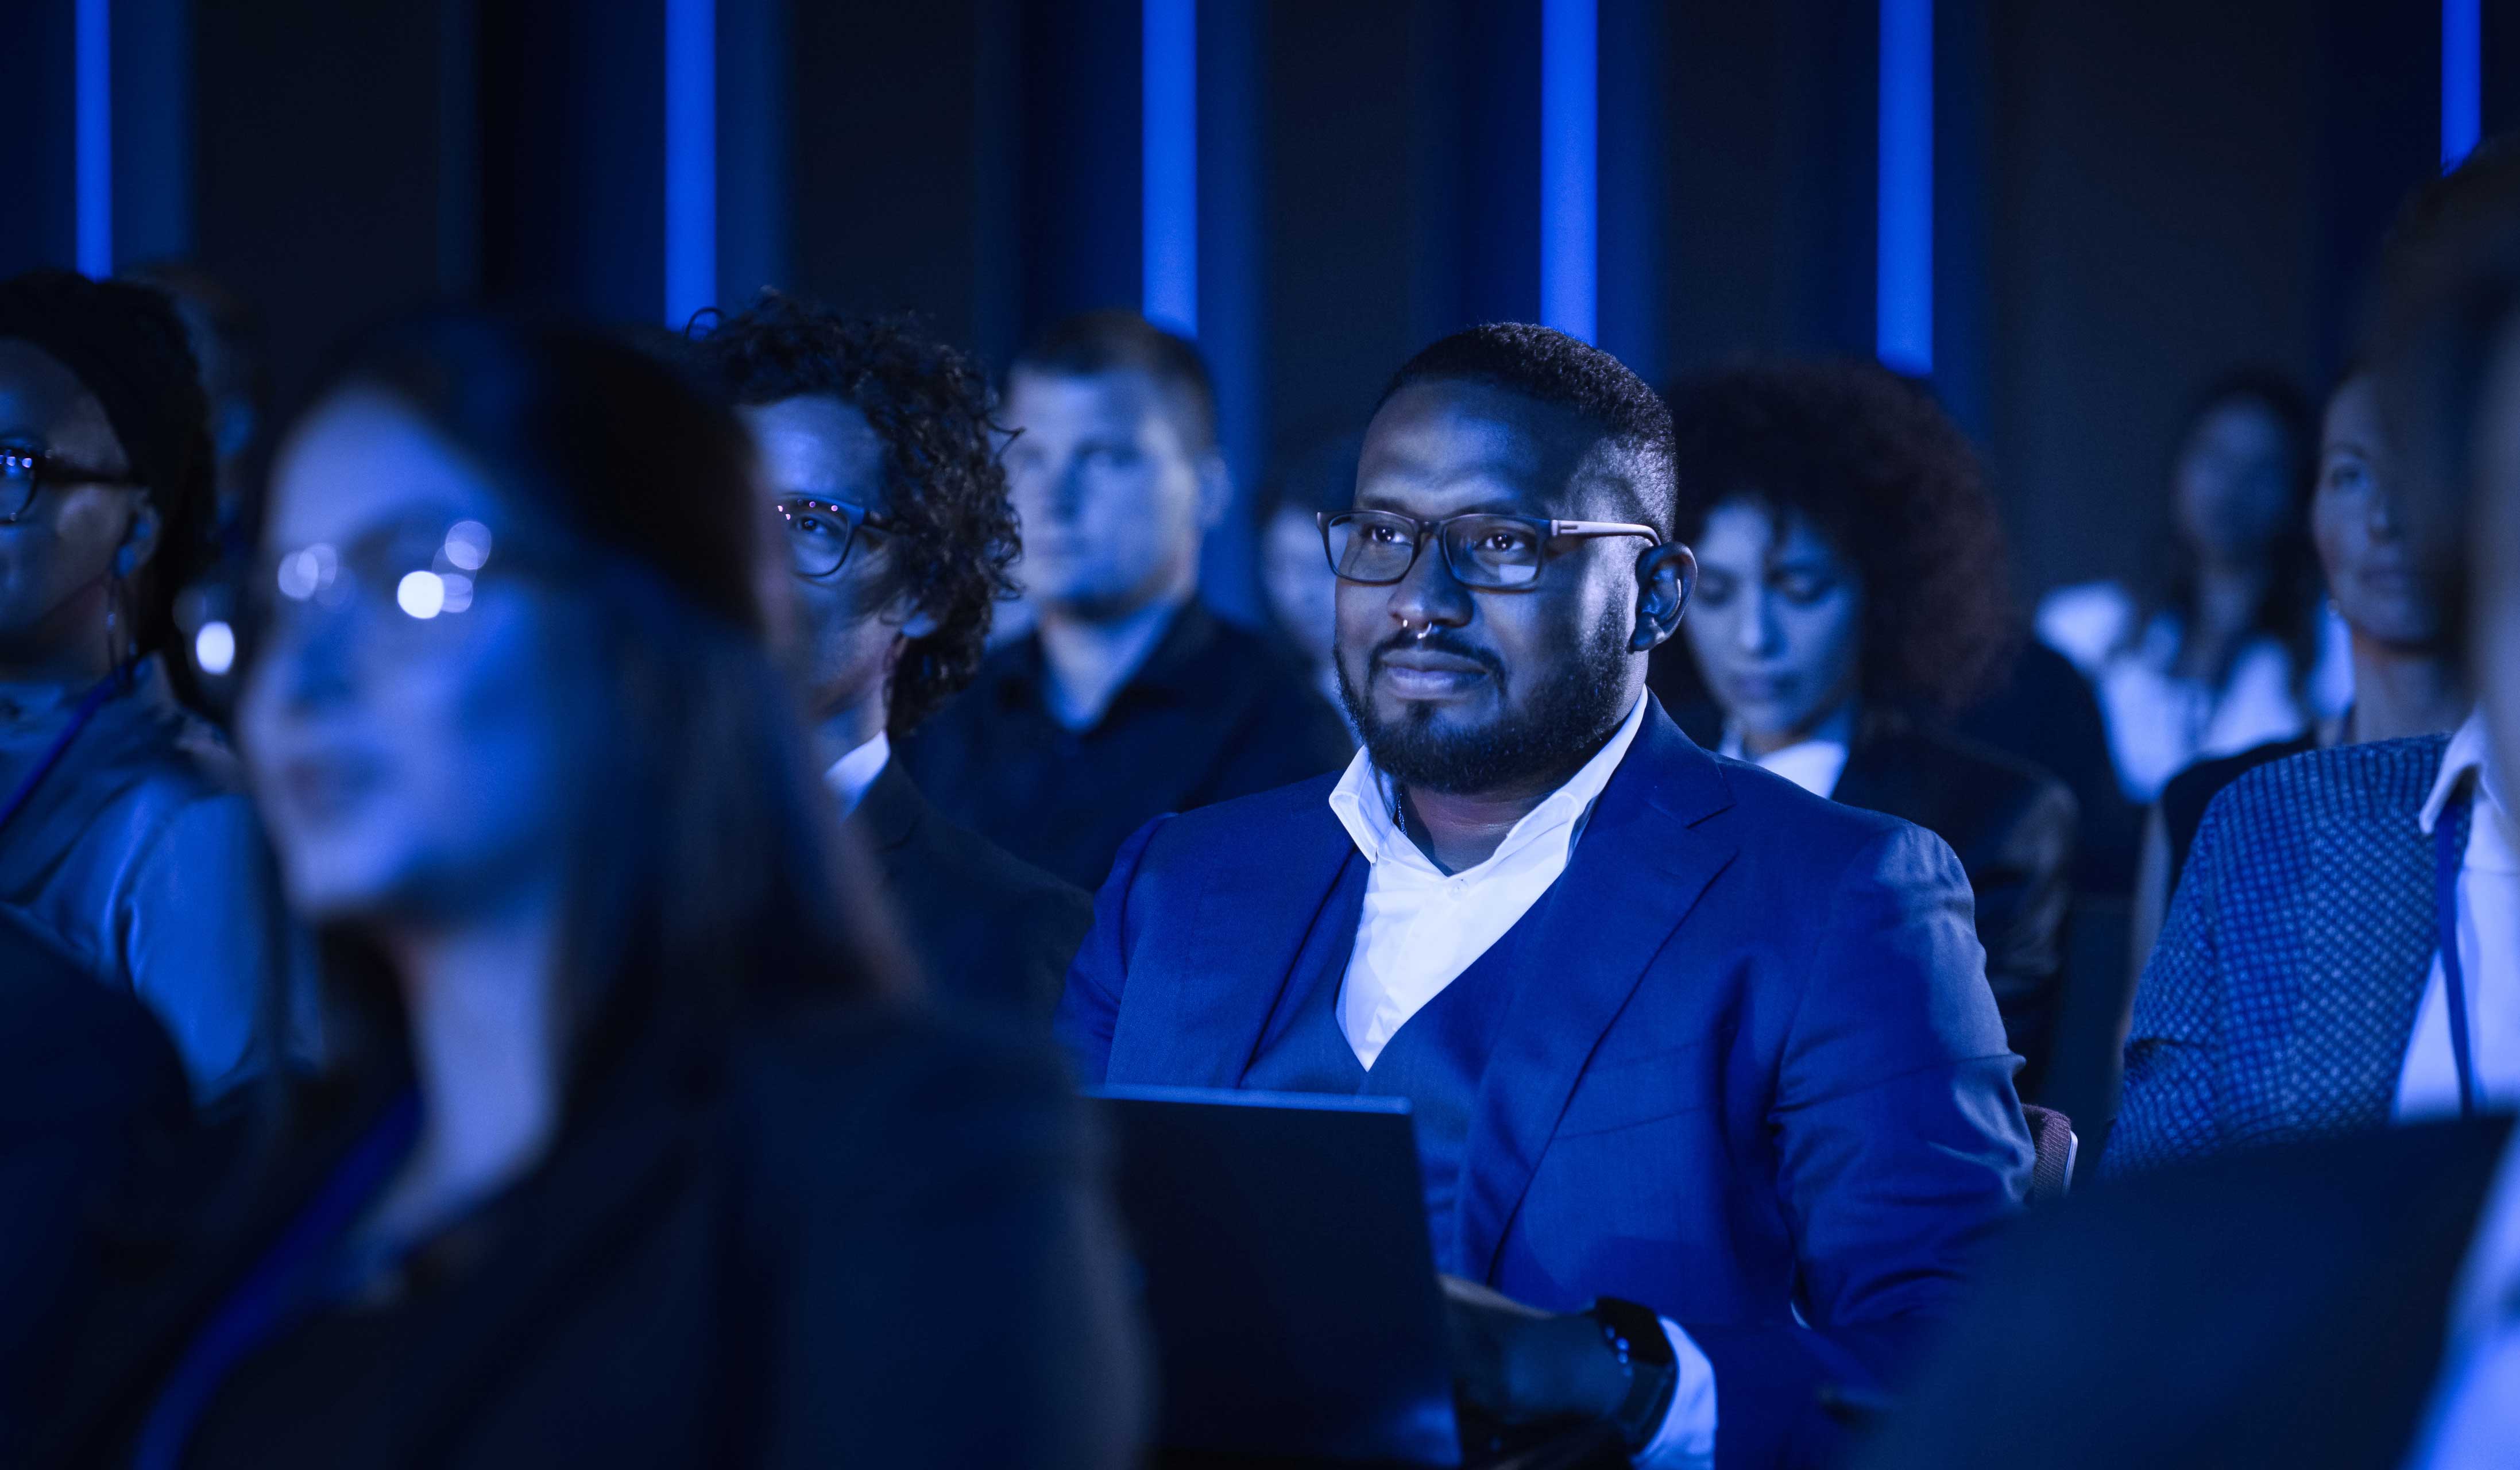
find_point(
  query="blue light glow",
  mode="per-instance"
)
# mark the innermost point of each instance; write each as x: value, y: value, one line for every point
x: 1571, y: 125
x: 1168, y: 129
x: 1903, y: 332
x: 93, y: 65
x: 2462, y: 80
x: 690, y: 159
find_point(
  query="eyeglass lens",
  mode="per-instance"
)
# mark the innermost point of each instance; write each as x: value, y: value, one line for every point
x: 1482, y: 551
x: 819, y: 537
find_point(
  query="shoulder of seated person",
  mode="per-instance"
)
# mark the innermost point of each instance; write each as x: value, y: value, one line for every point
x: 1974, y: 773
x: 2378, y: 780
x: 880, y: 1054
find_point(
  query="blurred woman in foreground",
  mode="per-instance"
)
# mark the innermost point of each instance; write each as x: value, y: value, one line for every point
x: 634, y: 1160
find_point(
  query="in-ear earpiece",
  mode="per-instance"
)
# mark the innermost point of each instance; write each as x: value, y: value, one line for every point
x: 125, y: 562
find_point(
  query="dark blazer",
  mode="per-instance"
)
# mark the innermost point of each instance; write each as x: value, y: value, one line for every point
x: 2187, y: 794
x: 988, y: 928
x: 1761, y: 1071
x: 2287, y: 1308
x: 2279, y: 1000
x: 2012, y: 827
x: 1214, y: 712
x: 847, y: 1236
x: 91, y: 1094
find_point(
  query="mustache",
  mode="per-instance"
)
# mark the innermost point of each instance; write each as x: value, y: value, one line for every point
x: 1441, y: 641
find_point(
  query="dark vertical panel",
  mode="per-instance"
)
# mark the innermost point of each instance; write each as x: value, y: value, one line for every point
x: 2378, y: 138
x: 2500, y: 70
x: 1231, y: 314
x: 2154, y: 223
x: 1961, y: 144
x: 885, y: 134
x: 316, y: 145
x: 1080, y: 181
x: 1497, y: 119
x: 37, y: 150
x: 1725, y: 282
x: 572, y: 139
x: 1344, y: 205
x: 1634, y: 132
x: 153, y: 121
x: 1832, y: 113
x: 754, y: 59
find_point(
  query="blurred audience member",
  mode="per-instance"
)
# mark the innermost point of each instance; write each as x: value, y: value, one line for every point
x: 1852, y: 572
x: 1128, y: 699
x: 123, y: 832
x: 1294, y: 576
x: 636, y: 1164
x: 881, y: 469
x: 2406, y: 683
x: 2220, y: 656
x: 2043, y: 711
x: 2298, y: 1306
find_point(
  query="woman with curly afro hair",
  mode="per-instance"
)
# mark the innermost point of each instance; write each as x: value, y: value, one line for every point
x: 1852, y: 590
x: 880, y: 458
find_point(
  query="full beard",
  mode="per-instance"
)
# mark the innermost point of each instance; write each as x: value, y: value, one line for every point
x: 1552, y: 732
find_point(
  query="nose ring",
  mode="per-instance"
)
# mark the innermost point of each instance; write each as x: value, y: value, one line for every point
x: 1423, y: 628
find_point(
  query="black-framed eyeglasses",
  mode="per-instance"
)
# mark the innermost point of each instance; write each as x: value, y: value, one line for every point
x: 1496, y: 553
x: 26, y: 469
x: 821, y: 533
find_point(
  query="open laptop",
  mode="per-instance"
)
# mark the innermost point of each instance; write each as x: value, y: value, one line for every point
x: 1287, y: 1275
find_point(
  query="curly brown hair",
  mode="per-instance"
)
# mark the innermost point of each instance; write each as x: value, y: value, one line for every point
x: 954, y: 531
x: 1873, y: 463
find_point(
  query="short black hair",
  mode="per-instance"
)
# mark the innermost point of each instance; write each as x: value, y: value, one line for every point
x: 1544, y: 364
x: 954, y: 534
x: 1873, y: 463
x: 1095, y: 342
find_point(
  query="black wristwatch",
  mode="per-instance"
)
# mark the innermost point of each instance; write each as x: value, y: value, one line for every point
x: 1636, y: 1335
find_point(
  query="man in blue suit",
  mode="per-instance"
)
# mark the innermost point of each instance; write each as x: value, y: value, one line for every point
x: 1683, y: 1042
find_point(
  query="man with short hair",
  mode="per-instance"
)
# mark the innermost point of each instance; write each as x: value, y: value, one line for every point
x: 1681, y: 1040
x: 1127, y: 699
x: 878, y: 459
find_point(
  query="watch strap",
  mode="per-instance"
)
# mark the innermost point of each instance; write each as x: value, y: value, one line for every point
x: 1635, y: 1333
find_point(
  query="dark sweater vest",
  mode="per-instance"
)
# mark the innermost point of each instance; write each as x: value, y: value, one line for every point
x: 1434, y: 1061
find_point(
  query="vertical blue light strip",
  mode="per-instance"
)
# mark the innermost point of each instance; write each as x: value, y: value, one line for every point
x: 1570, y: 137
x: 2462, y: 82
x: 1168, y: 129
x: 1903, y: 332
x: 94, y: 125
x: 690, y: 159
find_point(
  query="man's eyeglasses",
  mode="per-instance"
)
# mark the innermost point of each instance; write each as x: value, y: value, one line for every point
x: 26, y: 469
x: 1496, y: 553
x: 821, y: 533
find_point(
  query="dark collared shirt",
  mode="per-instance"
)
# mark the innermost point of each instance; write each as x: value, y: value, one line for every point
x: 1213, y: 713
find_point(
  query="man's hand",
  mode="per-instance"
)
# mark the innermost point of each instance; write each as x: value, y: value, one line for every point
x: 1522, y: 1366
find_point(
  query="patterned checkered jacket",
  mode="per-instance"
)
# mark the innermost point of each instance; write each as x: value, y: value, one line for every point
x: 2280, y: 998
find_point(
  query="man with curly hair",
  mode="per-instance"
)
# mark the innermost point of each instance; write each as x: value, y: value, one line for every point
x: 879, y: 457
x: 1128, y: 699
x: 1852, y: 593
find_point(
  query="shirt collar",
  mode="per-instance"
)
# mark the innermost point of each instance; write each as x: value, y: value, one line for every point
x: 2464, y: 758
x: 851, y: 775
x: 1362, y: 802
x: 1833, y: 734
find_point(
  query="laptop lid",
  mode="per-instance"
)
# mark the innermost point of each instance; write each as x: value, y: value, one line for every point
x: 1287, y: 1275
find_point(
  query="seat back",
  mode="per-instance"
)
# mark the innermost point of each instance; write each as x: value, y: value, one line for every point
x: 2052, y: 1146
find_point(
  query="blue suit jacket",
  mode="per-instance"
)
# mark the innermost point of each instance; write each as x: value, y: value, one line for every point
x: 1761, y: 1070
x: 2280, y: 998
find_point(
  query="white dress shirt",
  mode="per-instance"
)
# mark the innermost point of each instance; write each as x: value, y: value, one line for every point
x: 2488, y: 948
x: 1422, y: 927
x: 851, y: 775
x: 1814, y: 765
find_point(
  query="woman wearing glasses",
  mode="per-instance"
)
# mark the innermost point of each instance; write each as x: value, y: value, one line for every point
x: 1852, y: 590
x: 123, y: 835
x: 637, y: 1158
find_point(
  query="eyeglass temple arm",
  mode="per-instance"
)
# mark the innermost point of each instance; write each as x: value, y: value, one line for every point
x: 1601, y: 528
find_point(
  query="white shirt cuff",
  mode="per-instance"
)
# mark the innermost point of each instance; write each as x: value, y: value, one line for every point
x: 1686, y: 1439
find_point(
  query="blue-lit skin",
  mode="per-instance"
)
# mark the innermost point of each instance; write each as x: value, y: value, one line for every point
x: 1504, y: 673
x: 1303, y: 595
x: 1778, y: 625
x: 411, y: 771
x: 56, y: 560
x: 847, y: 636
x: 1115, y: 501
x: 2364, y: 541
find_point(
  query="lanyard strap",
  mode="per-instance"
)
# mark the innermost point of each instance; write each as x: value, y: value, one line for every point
x: 282, y: 1288
x: 88, y: 705
x: 2448, y: 856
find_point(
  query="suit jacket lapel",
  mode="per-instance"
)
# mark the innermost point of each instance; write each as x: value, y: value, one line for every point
x: 890, y: 811
x: 1201, y: 1010
x: 1636, y: 873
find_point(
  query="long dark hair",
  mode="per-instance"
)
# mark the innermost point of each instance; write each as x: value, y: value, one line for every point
x: 2288, y: 610
x: 712, y: 875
